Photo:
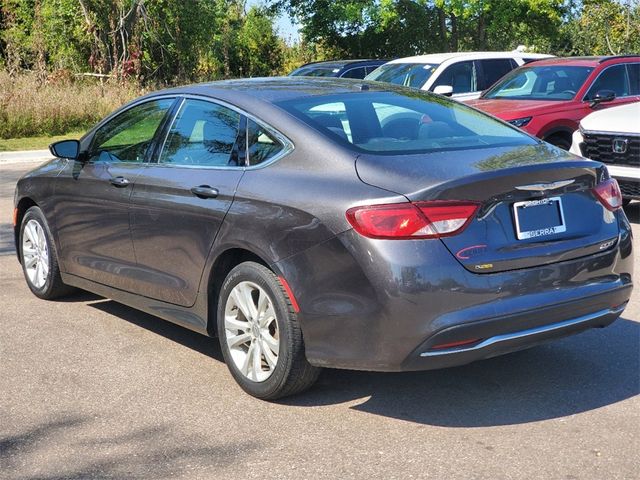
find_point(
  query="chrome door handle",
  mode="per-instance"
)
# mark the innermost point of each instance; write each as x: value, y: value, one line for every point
x: 119, y: 181
x: 205, y: 191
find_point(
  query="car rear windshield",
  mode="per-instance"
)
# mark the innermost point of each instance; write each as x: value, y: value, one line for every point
x: 402, y: 122
x: 315, y: 72
x: 406, y: 74
x: 555, y: 82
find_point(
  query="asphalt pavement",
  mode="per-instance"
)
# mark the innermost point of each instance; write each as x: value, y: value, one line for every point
x: 90, y: 389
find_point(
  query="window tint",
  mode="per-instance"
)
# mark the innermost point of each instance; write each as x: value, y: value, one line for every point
x: 315, y: 72
x: 493, y: 70
x: 408, y: 74
x: 460, y: 76
x: 540, y: 83
x: 613, y: 78
x: 401, y: 123
x: 355, y: 73
x: 633, y: 69
x: 203, y: 133
x: 127, y: 137
x: 262, y: 144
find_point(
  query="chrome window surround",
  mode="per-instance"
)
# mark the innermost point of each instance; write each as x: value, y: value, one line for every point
x: 287, y: 144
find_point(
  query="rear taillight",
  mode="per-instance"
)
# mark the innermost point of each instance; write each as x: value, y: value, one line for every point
x: 412, y: 220
x: 609, y: 194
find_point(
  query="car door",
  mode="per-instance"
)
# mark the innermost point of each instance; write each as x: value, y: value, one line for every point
x: 462, y: 78
x: 617, y: 79
x: 180, y: 200
x: 93, y: 195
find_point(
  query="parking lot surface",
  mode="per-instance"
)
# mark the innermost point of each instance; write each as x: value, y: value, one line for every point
x: 93, y: 389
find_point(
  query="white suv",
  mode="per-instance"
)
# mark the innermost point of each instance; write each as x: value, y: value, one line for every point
x: 612, y: 136
x: 463, y: 75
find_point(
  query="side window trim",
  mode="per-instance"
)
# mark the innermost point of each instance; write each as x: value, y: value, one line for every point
x: 243, y: 131
x: 117, y: 113
x: 625, y: 64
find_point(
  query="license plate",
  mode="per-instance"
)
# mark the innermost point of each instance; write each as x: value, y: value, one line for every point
x: 539, y: 218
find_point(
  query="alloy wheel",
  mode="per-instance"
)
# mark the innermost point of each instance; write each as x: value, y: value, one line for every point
x: 251, y: 331
x: 35, y: 254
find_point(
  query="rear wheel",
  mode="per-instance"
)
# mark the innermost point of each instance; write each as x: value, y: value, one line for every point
x: 259, y: 334
x: 38, y: 257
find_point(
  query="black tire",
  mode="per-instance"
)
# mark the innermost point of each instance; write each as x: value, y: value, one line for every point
x: 560, y: 141
x: 292, y: 373
x: 53, y: 286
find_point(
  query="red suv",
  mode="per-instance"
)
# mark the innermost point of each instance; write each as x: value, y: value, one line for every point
x: 548, y: 98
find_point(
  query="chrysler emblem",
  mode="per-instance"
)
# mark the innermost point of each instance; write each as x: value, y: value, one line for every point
x: 541, y: 187
x: 620, y: 145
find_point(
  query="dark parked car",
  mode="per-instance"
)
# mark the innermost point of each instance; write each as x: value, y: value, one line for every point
x: 326, y: 222
x: 338, y: 68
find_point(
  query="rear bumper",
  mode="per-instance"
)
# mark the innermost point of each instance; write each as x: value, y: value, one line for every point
x: 426, y: 357
x: 380, y: 305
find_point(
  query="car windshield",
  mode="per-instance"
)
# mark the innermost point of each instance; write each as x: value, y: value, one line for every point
x: 407, y: 74
x: 402, y: 122
x: 315, y: 72
x: 554, y: 82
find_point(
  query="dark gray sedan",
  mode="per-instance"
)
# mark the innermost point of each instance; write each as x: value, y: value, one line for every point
x: 320, y: 222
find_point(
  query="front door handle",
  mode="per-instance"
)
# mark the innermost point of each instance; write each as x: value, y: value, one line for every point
x: 119, y: 181
x: 205, y: 191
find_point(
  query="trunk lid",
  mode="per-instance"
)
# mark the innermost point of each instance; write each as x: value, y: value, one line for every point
x: 536, y: 203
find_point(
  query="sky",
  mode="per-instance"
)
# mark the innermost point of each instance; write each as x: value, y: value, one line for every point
x: 286, y: 29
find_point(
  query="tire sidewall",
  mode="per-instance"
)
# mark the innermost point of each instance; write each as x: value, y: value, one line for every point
x: 262, y: 277
x: 34, y: 213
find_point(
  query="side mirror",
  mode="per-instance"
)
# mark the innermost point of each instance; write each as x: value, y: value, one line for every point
x: 602, y: 96
x: 65, y: 149
x: 446, y: 90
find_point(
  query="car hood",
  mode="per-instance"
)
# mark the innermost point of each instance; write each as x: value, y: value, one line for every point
x: 622, y: 119
x: 512, y: 109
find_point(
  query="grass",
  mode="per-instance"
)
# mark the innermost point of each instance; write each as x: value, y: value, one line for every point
x: 35, y: 143
x: 59, y: 105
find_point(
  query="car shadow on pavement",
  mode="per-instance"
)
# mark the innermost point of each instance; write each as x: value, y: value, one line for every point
x: 576, y: 374
x: 78, y: 447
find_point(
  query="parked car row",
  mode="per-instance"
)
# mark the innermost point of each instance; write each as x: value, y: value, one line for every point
x: 325, y: 222
x: 543, y: 95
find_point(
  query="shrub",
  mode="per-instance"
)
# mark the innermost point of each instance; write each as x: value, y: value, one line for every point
x: 62, y: 103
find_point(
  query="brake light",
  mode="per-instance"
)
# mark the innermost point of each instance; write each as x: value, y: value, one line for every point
x: 412, y: 220
x: 609, y: 194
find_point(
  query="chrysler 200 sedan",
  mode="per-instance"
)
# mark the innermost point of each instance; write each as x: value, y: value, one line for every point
x: 321, y: 222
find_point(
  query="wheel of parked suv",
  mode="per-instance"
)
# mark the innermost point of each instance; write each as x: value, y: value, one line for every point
x: 559, y: 141
x: 38, y: 257
x: 259, y: 334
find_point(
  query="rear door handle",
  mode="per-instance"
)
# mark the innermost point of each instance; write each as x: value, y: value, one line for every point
x: 119, y: 181
x: 205, y: 191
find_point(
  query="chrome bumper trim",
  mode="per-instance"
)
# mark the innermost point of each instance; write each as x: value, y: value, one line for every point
x: 526, y: 333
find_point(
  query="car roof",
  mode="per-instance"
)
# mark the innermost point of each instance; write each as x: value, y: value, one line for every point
x: 342, y: 63
x: 592, y: 61
x: 276, y: 89
x: 443, y: 57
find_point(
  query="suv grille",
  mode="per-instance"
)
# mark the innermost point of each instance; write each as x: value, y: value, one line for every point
x: 630, y: 189
x: 599, y: 146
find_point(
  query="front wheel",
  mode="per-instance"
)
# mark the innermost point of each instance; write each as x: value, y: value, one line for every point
x: 260, y: 336
x: 38, y: 257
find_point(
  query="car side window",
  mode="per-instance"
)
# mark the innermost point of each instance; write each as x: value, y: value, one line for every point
x: 127, y: 137
x: 633, y: 70
x: 203, y: 133
x: 460, y: 76
x: 262, y: 144
x: 613, y: 78
x: 359, y: 72
x: 493, y: 70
